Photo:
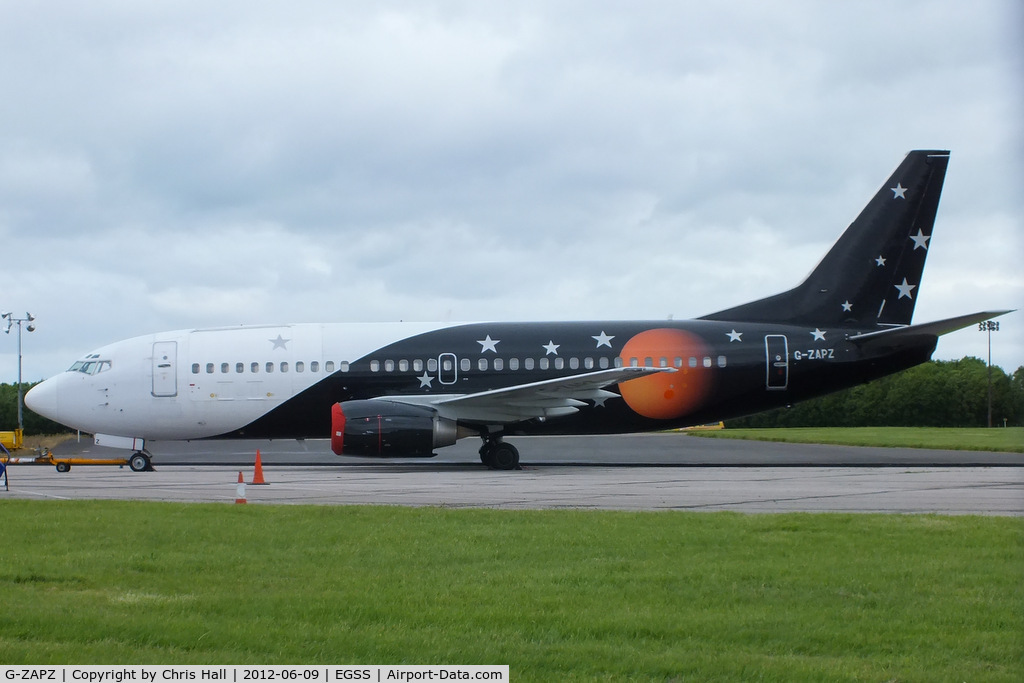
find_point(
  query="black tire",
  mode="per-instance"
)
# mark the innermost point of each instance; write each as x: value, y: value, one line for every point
x: 504, y: 456
x: 139, y: 462
x: 63, y: 467
x: 487, y: 456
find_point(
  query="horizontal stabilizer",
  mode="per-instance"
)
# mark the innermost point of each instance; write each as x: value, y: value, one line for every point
x: 937, y: 328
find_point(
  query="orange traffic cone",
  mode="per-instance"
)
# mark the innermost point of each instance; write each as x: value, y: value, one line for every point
x: 240, y: 490
x: 257, y: 477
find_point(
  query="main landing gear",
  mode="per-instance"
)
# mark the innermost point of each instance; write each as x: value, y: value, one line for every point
x: 140, y: 462
x: 498, y: 455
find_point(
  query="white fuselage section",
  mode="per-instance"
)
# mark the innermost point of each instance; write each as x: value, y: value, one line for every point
x: 191, y: 384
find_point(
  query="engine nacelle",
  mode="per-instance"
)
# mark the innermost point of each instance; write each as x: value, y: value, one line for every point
x: 387, y: 429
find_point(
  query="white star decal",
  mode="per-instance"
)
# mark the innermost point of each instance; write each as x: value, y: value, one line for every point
x: 819, y: 335
x: 734, y: 336
x: 603, y: 339
x: 425, y: 381
x: 488, y: 344
x: 880, y: 261
x: 905, y: 290
x: 920, y: 240
x: 551, y: 348
x: 899, y: 192
x: 847, y: 307
x: 279, y: 343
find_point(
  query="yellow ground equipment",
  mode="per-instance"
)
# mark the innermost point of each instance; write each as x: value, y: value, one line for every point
x: 62, y: 464
x: 12, y: 440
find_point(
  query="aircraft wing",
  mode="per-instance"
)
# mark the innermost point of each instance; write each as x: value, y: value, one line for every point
x: 548, y: 398
x: 937, y: 328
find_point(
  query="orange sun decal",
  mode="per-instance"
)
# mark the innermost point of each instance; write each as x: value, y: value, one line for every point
x: 667, y: 395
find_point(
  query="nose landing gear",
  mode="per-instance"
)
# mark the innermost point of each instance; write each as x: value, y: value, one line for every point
x: 140, y: 462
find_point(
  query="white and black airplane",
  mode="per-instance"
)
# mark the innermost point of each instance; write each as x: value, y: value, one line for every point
x: 406, y: 389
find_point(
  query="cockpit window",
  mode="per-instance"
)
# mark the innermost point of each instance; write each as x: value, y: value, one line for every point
x: 90, y: 367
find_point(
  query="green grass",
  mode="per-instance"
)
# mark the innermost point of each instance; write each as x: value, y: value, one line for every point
x: 1010, y: 439
x: 557, y: 595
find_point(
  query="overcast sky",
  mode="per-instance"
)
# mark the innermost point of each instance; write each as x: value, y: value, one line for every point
x: 182, y: 164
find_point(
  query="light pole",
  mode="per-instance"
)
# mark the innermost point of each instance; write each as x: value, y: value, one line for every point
x: 990, y: 327
x: 11, y: 321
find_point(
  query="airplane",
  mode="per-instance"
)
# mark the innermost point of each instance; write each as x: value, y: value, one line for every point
x: 405, y: 389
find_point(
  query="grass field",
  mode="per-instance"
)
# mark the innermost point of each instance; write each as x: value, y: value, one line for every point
x: 557, y: 595
x: 1009, y: 439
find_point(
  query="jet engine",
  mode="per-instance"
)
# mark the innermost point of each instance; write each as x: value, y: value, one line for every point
x: 388, y: 429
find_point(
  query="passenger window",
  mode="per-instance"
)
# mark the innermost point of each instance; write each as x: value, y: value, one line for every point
x: 195, y: 368
x: 545, y: 363
x: 528, y: 363
x: 417, y: 365
x: 284, y: 366
x: 721, y: 361
x: 300, y: 366
x: 559, y: 363
x: 466, y: 364
x: 209, y: 368
x: 499, y: 364
x: 329, y: 366
x: 254, y: 368
x: 574, y: 363
x: 314, y: 366
x: 693, y: 362
x: 239, y: 368
x: 678, y: 362
x: 389, y: 366
x: 707, y: 361
x: 403, y: 366
x: 513, y: 364
x: 588, y: 363
x: 270, y: 367
x: 374, y: 366
x: 432, y: 365
x: 224, y: 368
x: 344, y: 366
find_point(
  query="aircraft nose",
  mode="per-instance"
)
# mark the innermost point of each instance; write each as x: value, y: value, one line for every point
x: 42, y: 399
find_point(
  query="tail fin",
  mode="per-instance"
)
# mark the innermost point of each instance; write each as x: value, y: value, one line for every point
x: 872, y: 274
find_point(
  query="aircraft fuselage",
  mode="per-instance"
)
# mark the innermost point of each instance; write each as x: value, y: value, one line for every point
x: 281, y: 381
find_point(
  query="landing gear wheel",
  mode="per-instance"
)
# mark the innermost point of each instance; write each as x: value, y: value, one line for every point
x: 487, y: 456
x: 140, y: 463
x: 63, y: 467
x: 504, y: 456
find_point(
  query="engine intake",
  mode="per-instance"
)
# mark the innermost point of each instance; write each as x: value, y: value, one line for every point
x: 387, y: 429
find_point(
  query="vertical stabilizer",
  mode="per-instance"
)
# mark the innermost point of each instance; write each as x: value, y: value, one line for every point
x: 872, y: 275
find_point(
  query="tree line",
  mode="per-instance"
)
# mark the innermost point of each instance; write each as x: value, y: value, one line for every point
x: 935, y: 394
